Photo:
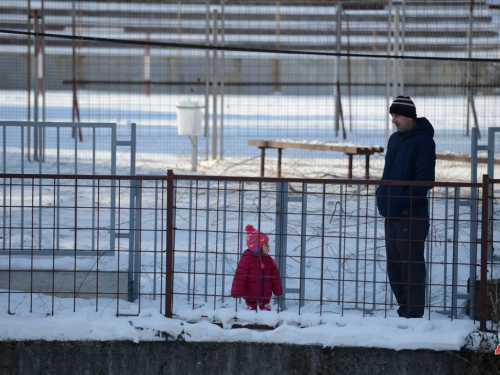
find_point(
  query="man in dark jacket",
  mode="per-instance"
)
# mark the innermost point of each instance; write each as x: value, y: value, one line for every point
x: 410, y: 156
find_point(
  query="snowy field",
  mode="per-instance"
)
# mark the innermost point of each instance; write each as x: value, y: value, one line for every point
x: 43, y: 317
x: 272, y: 117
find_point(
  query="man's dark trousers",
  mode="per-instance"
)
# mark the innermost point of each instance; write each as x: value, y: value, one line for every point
x: 405, y: 242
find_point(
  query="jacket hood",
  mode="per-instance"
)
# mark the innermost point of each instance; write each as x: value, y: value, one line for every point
x: 260, y: 256
x: 423, y: 127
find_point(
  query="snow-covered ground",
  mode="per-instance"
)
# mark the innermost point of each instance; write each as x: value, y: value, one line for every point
x: 30, y: 317
x: 349, y: 330
x: 272, y: 117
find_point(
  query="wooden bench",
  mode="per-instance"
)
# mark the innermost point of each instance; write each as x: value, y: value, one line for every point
x: 350, y: 151
x: 464, y: 158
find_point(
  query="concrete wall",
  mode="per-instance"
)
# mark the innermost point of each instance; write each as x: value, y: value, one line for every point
x: 67, y: 284
x: 178, y: 357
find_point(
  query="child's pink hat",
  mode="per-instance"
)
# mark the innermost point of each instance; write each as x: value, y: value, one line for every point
x: 255, y: 238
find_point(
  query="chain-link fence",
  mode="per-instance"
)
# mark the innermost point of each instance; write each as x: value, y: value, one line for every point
x: 311, y: 71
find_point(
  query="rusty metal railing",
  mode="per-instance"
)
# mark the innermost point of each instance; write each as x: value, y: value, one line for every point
x: 326, y: 236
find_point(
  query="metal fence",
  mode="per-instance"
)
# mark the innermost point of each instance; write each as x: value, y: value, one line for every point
x: 490, y: 292
x: 319, y: 71
x: 179, y: 239
x: 91, y: 238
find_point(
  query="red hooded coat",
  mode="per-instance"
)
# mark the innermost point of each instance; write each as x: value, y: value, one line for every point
x: 256, y: 277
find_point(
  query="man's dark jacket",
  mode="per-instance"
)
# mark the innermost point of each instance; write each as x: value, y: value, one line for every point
x: 410, y: 156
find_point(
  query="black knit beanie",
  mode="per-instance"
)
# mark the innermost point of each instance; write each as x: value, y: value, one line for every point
x: 403, y: 106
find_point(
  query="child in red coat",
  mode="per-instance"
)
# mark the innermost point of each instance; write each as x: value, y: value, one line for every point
x: 257, y: 277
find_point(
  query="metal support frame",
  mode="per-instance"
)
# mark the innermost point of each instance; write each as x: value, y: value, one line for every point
x: 135, y: 220
x: 134, y: 240
x: 19, y: 128
x: 282, y: 200
x: 490, y: 149
x: 473, y: 219
x: 473, y: 241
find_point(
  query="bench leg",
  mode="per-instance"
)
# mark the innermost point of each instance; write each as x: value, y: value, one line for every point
x: 262, y: 161
x: 349, y: 176
x: 279, y: 162
x: 367, y: 167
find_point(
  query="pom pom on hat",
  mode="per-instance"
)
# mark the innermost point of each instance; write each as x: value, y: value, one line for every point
x: 403, y: 106
x: 255, y: 238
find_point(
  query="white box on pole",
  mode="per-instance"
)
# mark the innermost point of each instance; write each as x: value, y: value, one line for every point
x: 189, y: 118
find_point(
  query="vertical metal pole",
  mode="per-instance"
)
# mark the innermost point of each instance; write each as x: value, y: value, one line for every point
x: 491, y: 175
x: 133, y: 147
x: 340, y: 278
x: 40, y: 188
x: 28, y: 58
x: 214, y: 88
x: 474, y: 148
x: 484, y: 254
x: 469, y: 50
x: 322, y: 268
x: 4, y: 218
x: 303, y: 246
x: 402, y: 49
x: 207, y: 238
x: 395, y: 63
x: 281, y: 237
x: 241, y: 222
x: 358, y: 223
x: 94, y: 146
x: 454, y: 274
x: 445, y: 255
x: 35, y: 136
x: 112, y: 219
x: 337, y: 71
x: 387, y: 69
x: 132, y: 250
x: 155, y: 247
x: 169, y: 287
x: 207, y: 75
x: 75, y: 115
x: 137, y: 191
x: 28, y: 62
x: 375, y: 234
x: 491, y: 150
x: 194, y: 153
x: 73, y: 62
x: 224, y: 231
x: 42, y: 78
x: 190, y: 231
x: 473, y: 226
x: 222, y: 85
x: 284, y: 237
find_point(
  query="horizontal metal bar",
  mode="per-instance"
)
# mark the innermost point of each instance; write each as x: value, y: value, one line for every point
x: 58, y: 124
x: 29, y: 252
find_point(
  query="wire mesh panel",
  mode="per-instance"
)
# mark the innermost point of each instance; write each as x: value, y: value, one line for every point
x: 73, y: 242
x: 330, y: 250
x: 490, y: 278
x: 55, y: 147
x: 316, y: 71
x: 331, y: 253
